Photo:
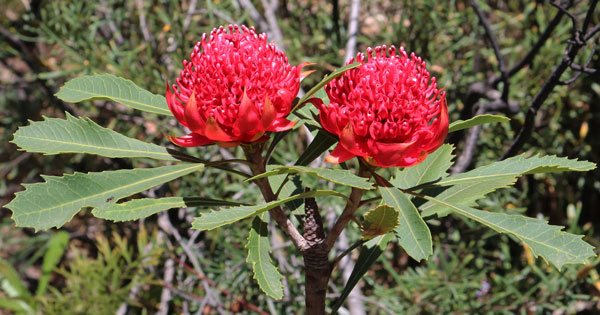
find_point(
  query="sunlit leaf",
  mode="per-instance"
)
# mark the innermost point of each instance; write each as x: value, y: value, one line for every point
x: 217, y: 218
x: 82, y: 135
x: 259, y: 247
x: 342, y: 177
x: 477, y: 120
x: 56, y: 201
x: 112, y: 88
x: 413, y: 234
x: 548, y: 241
x: 434, y: 167
x: 141, y: 208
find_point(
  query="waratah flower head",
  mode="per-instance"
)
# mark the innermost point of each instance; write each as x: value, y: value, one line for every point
x: 235, y: 87
x: 388, y: 111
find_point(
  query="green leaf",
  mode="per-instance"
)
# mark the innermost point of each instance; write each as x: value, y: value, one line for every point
x: 548, y: 241
x: 322, y: 141
x: 112, y: 88
x: 412, y: 233
x: 145, y: 207
x: 342, y: 177
x: 56, y: 249
x: 217, y: 218
x: 53, y: 203
x: 466, y: 194
x: 323, y: 82
x: 259, y: 247
x: 368, y: 256
x: 82, y: 135
x: 378, y: 221
x: 477, y: 120
x: 475, y: 184
x: 10, y: 282
x: 517, y: 166
x: 432, y: 168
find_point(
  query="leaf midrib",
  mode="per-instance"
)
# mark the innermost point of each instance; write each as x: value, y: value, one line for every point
x: 92, y: 146
x: 107, y: 191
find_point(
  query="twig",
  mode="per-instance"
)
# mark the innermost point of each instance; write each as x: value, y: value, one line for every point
x: 468, y: 152
x: 534, y: 50
x: 352, y: 30
x: 496, y: 48
x: 111, y: 24
x: 554, y: 79
x: 189, y: 14
x: 269, y: 12
x: 223, y: 291
x: 253, y: 154
x: 165, y: 296
x: 349, y: 209
x: 142, y: 19
x: 593, y: 32
x: 254, y: 15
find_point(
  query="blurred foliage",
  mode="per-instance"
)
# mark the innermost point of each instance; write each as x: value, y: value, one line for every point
x: 44, y: 43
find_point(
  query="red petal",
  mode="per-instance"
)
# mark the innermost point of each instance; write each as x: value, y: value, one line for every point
x: 281, y: 124
x: 214, y: 131
x: 442, y: 129
x: 327, y: 115
x: 248, y: 116
x: 175, y: 106
x: 269, y: 114
x: 304, y: 74
x: 192, y: 116
x: 339, y: 155
x: 352, y: 143
x: 191, y: 140
x: 391, y: 154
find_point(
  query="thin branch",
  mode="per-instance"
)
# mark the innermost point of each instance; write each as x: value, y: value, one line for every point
x: 189, y: 14
x: 253, y: 154
x: 534, y: 50
x: 593, y: 32
x: 349, y: 209
x: 468, y: 152
x: 352, y: 30
x: 142, y: 19
x: 495, y: 47
x: 554, y: 79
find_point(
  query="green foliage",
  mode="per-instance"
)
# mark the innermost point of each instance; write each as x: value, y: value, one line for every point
x: 434, y: 167
x: 112, y: 88
x: 56, y: 248
x: 342, y: 177
x: 39, y: 207
x: 140, y: 208
x: 378, y: 221
x: 259, y: 247
x: 217, y: 218
x: 320, y: 144
x: 100, y: 285
x: 82, y: 135
x: 412, y: 233
x: 544, y: 240
x: 368, y: 256
x: 477, y: 120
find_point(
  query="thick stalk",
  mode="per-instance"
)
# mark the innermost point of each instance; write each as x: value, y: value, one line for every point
x: 317, y: 270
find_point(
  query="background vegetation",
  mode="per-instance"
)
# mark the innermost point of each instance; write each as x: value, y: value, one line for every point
x: 160, y: 265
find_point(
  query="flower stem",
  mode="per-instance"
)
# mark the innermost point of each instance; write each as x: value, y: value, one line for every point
x: 257, y: 165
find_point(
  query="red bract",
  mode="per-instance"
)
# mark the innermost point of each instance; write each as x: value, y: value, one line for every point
x: 235, y: 88
x: 388, y: 110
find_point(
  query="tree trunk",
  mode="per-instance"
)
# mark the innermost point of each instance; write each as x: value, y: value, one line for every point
x: 317, y: 270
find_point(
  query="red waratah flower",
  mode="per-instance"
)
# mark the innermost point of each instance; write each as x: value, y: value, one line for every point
x: 388, y: 110
x: 235, y: 88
